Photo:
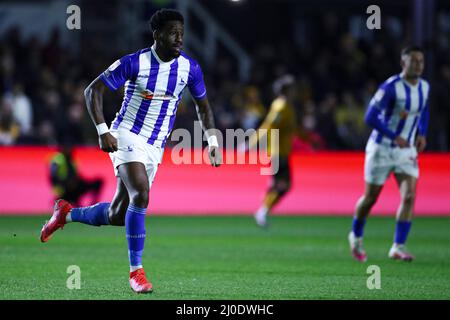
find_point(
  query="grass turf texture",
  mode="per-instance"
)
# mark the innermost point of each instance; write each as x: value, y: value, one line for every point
x: 224, y: 258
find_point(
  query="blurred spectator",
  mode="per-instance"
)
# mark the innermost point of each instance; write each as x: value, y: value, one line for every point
x: 7, y: 65
x: 22, y: 111
x: 337, y: 73
x: 74, y: 125
x: 51, y: 53
x: 46, y: 134
x: 350, y: 63
x: 326, y: 124
x: 349, y: 118
x: 309, y: 139
x: 440, y: 115
x: 9, y: 129
x: 253, y: 109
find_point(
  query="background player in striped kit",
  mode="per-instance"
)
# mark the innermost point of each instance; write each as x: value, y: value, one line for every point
x: 154, y: 80
x: 399, y: 114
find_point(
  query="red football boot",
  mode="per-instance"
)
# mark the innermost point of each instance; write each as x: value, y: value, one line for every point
x: 356, y: 248
x: 139, y: 282
x: 58, y: 219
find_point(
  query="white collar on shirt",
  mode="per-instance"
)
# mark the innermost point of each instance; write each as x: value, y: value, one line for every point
x: 158, y: 58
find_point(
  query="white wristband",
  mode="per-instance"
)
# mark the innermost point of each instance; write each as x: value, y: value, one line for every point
x: 212, y: 141
x: 102, y: 128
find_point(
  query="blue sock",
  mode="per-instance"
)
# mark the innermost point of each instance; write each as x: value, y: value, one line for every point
x: 358, y: 227
x: 96, y: 215
x: 401, y: 231
x: 135, y: 230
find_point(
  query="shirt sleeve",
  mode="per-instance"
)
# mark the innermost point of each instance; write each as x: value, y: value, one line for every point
x: 383, y: 99
x: 372, y: 118
x: 196, y: 83
x: 119, y: 72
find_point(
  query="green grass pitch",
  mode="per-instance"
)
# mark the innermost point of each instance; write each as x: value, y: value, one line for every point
x: 218, y: 257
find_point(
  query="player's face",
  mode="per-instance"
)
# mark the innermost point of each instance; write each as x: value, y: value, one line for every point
x: 171, y: 38
x: 413, y: 64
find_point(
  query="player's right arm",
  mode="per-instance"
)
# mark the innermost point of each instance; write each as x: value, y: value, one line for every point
x: 113, y: 78
x: 93, y: 95
x: 383, y: 99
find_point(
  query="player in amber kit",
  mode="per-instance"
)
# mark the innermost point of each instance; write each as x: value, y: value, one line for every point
x: 282, y: 117
x: 154, y: 80
x: 399, y: 115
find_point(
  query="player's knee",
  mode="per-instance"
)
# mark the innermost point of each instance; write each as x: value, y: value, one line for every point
x: 408, y: 198
x: 140, y: 198
x: 283, y: 187
x: 117, y: 217
x: 370, y: 199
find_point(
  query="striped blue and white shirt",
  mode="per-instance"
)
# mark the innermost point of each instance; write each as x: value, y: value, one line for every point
x: 153, y: 90
x: 399, y: 108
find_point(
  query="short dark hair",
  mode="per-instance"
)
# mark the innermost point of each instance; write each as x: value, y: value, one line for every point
x: 162, y: 16
x: 414, y: 48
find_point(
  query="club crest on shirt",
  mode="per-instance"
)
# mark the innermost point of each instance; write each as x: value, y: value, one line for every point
x: 149, y: 95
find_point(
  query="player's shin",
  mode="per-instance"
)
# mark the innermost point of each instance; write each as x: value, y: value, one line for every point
x: 404, y: 218
x: 96, y: 215
x: 271, y: 199
x: 402, y: 229
x: 358, y: 227
x: 135, y: 232
x: 363, y: 207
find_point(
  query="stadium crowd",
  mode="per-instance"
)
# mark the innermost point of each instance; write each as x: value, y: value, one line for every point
x: 42, y: 101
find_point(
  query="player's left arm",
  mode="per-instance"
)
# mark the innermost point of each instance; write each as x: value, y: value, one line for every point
x: 197, y: 89
x: 421, y: 141
x: 206, y: 117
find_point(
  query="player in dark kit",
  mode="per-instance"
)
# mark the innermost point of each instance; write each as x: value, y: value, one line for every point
x: 154, y: 80
x: 281, y: 117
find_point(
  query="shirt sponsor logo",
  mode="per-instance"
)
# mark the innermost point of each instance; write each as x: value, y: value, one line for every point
x: 404, y: 114
x: 149, y: 95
